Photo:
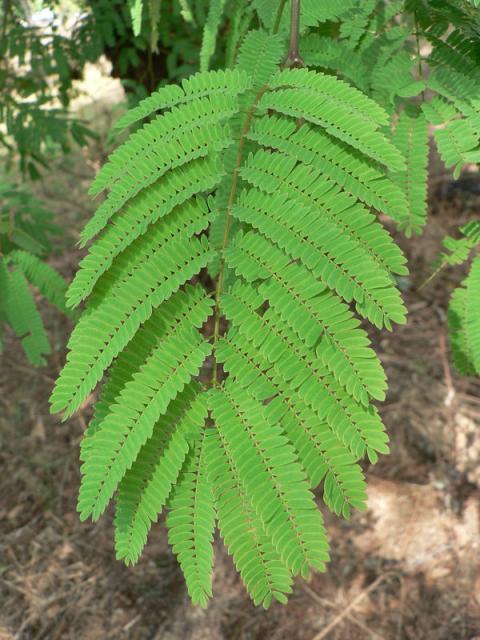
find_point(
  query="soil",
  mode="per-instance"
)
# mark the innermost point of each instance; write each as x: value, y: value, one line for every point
x: 408, y: 569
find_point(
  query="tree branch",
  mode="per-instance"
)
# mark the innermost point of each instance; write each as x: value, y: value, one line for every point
x: 294, y: 59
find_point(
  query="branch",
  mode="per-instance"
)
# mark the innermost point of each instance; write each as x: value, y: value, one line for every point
x: 294, y: 59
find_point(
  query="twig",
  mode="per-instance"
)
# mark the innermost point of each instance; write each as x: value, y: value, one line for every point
x: 350, y: 617
x: 30, y: 371
x: 294, y: 59
x: 432, y: 276
x: 450, y: 401
x: 419, y: 55
x: 446, y: 371
x: 341, y: 616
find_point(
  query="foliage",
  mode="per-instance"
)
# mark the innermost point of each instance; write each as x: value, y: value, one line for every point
x: 420, y: 61
x: 38, y: 62
x: 464, y: 322
x: 160, y: 43
x: 40, y: 59
x: 37, y: 66
x: 25, y: 230
x: 237, y: 256
x: 267, y: 178
x: 464, y: 308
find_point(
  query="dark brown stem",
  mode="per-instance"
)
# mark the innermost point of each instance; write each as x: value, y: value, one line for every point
x: 294, y: 59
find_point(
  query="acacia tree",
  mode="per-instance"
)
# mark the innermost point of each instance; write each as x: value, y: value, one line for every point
x: 236, y: 254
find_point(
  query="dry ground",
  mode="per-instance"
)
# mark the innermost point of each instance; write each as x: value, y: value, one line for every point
x: 406, y: 570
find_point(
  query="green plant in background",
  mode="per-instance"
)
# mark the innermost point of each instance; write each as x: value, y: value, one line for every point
x: 41, y: 57
x: 464, y: 322
x: 38, y: 63
x: 420, y: 61
x: 464, y: 308
x: 147, y: 43
x: 25, y: 231
x: 231, y: 403
x: 37, y: 66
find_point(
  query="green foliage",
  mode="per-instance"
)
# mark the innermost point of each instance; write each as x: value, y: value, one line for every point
x: 312, y: 14
x: 136, y: 8
x: 150, y: 41
x: 36, y: 71
x: 19, y: 311
x: 41, y: 59
x: 24, y: 222
x: 210, y: 32
x: 189, y: 14
x: 191, y: 521
x: 420, y: 62
x: 252, y: 459
x: 228, y: 404
x: 464, y: 307
x: 269, y: 179
x: 25, y: 229
x: 457, y: 250
x: 464, y: 322
x: 411, y: 137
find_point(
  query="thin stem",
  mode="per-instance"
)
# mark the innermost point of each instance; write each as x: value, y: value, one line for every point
x: 432, y: 276
x: 228, y: 217
x: 293, y: 49
x: 239, y: 26
x: 278, y: 19
x: 294, y: 59
x: 419, y: 56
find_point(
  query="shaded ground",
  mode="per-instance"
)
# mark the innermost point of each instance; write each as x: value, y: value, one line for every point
x: 406, y: 570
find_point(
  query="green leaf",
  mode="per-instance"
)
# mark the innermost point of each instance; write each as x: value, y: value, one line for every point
x: 234, y: 258
x: 136, y: 9
x: 24, y: 318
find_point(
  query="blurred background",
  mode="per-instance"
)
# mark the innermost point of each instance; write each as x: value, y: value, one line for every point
x: 406, y: 569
